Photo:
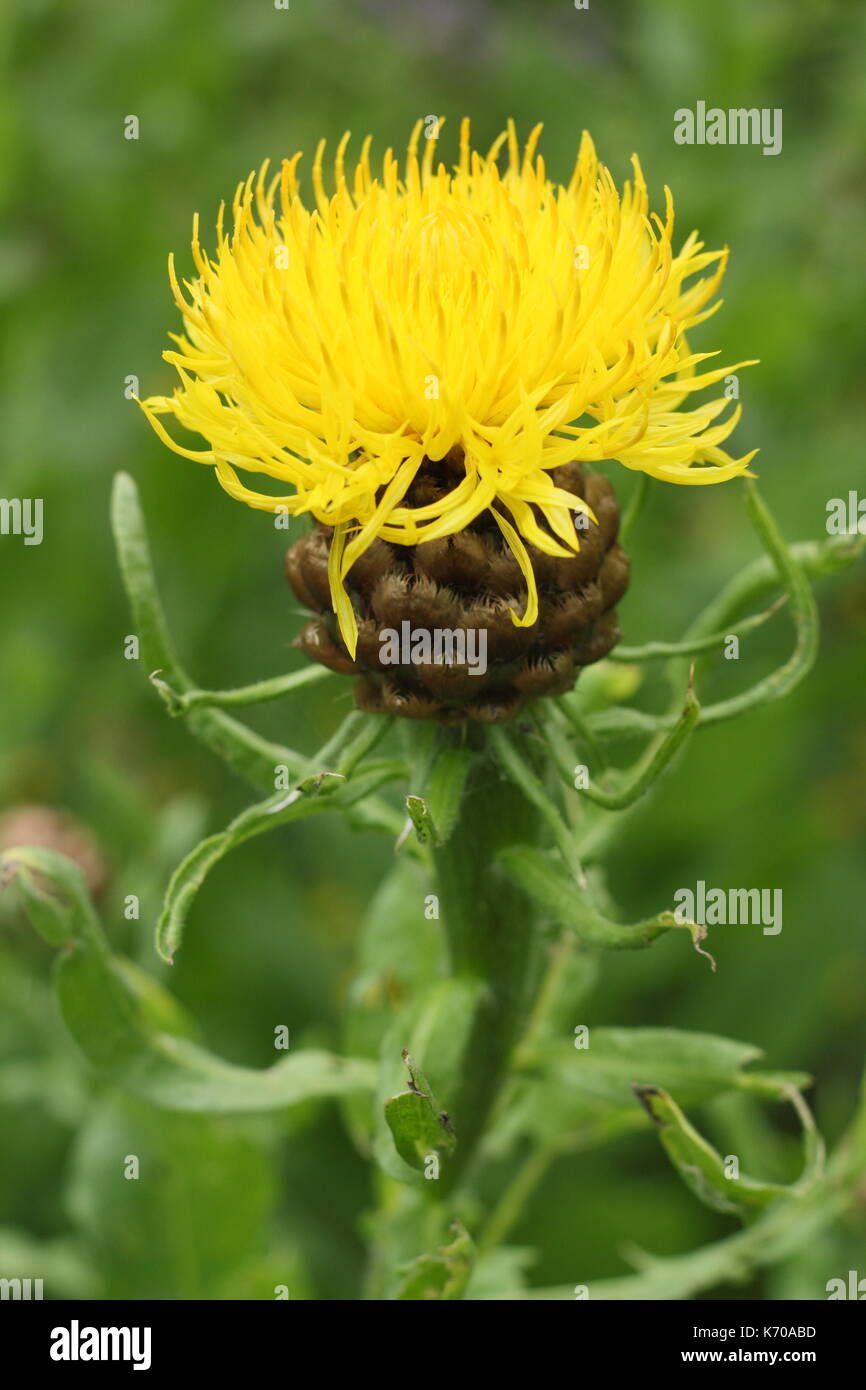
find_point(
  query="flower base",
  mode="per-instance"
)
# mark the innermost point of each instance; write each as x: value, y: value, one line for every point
x: 457, y: 595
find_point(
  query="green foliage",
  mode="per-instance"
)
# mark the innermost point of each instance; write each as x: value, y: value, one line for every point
x: 579, y: 1093
x: 700, y: 1166
x: 148, y: 1192
x: 773, y: 797
x: 440, y: 1276
x: 444, y: 790
x: 437, y: 1024
x: 419, y: 1128
x: 116, y: 1016
x: 138, y: 1038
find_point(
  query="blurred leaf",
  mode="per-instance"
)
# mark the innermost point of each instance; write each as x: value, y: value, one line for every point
x: 111, y: 1010
x: 440, y: 1276
x: 783, y: 1228
x: 63, y: 1265
x: 437, y: 1026
x: 576, y: 1097
x: 802, y: 607
x: 499, y: 1273
x: 47, y: 914
x: 418, y: 1126
x: 54, y: 893
x: 279, y: 1275
x: 158, y: 1008
x: 172, y: 1206
x: 172, y: 1072
x: 422, y: 821
x: 700, y: 1166
x: 399, y: 948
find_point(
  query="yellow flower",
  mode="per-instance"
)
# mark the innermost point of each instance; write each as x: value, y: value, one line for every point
x: 484, y: 314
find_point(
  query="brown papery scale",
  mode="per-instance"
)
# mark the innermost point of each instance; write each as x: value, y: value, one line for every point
x: 469, y: 581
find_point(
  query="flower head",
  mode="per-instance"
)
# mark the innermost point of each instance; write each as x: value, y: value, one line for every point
x: 481, y: 315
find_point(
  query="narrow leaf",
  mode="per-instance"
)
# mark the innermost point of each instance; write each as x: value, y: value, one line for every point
x: 538, y: 876
x: 699, y: 1165
x: 111, y: 1013
x: 443, y: 792
x: 443, y: 1276
x: 418, y: 1126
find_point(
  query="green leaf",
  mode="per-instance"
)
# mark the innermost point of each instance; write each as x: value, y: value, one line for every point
x: 275, y: 688
x: 47, y: 914
x: 803, y: 611
x: 792, y: 565
x: 656, y: 760
x: 422, y: 821
x: 117, y: 1015
x: 314, y: 793
x: 399, y: 946
x: 53, y: 892
x: 500, y: 1274
x: 172, y: 1072
x: 399, y: 950
x: 418, y: 1126
x: 542, y: 879
x: 785, y: 1227
x: 577, y: 1097
x: 438, y: 1026
x: 250, y: 755
x: 443, y: 791
x: 700, y: 1166
x: 444, y: 1275
x: 62, y: 1265
x: 657, y: 651
x: 171, y: 1206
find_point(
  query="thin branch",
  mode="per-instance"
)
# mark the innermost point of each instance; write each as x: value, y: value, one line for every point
x: 181, y: 702
x: 657, y: 651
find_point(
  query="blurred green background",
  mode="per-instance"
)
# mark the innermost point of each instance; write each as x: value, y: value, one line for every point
x: 774, y: 800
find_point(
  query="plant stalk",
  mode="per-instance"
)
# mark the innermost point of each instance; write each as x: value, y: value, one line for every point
x: 489, y: 930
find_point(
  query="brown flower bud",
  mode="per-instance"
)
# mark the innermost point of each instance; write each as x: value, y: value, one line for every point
x: 456, y: 589
x: 49, y: 827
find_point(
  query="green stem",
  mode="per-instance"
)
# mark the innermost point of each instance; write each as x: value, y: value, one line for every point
x: 489, y: 930
x: 512, y: 1203
x: 559, y: 955
x: 518, y: 768
x: 658, y: 651
x: 563, y: 713
x: 657, y: 758
x: 793, y: 565
x: 274, y: 688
